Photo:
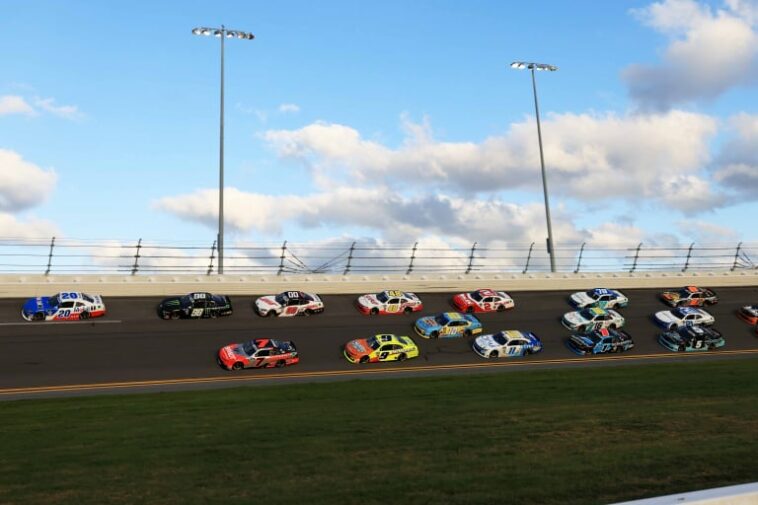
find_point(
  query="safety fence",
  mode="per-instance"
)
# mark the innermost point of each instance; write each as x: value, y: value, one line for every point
x: 62, y: 256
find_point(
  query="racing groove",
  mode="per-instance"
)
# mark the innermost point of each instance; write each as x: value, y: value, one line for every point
x: 135, y: 345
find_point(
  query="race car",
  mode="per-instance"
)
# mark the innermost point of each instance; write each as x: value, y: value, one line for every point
x: 748, y: 313
x: 600, y: 341
x: 448, y: 324
x: 289, y: 303
x: 258, y: 353
x: 507, y: 343
x: 380, y: 348
x: 691, y: 338
x: 68, y: 306
x: 682, y: 316
x: 483, y: 300
x: 389, y: 302
x: 593, y: 318
x: 195, y: 305
x: 689, y: 296
x: 599, y: 297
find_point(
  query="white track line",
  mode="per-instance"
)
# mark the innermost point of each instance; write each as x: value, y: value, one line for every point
x: 62, y: 323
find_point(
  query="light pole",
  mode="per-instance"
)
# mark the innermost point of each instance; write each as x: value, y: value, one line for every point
x: 222, y: 33
x: 520, y: 65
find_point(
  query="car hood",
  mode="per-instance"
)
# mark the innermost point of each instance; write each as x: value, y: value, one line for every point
x: 268, y: 302
x: 368, y: 301
x: 427, y: 323
x: 671, y: 295
x: 38, y: 304
x: 358, y: 347
x: 172, y: 303
x: 486, y: 342
x: 666, y: 316
x: 574, y: 318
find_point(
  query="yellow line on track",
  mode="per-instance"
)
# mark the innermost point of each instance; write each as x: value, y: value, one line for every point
x: 357, y: 372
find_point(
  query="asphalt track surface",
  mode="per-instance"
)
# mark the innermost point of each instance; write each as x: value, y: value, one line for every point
x: 132, y: 349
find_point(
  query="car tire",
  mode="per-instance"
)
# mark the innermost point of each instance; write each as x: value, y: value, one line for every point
x: 493, y: 354
x: 307, y: 312
x: 374, y: 311
x: 213, y: 314
x: 280, y: 363
x: 175, y: 315
x: 84, y: 315
x: 501, y: 308
x: 402, y: 357
x: 238, y: 366
x: 469, y: 310
x: 38, y: 316
x: 407, y: 310
x: 466, y: 333
x: 672, y: 327
x: 364, y: 359
x: 434, y: 334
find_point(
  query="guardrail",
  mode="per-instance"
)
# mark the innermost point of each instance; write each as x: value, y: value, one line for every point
x: 64, y: 256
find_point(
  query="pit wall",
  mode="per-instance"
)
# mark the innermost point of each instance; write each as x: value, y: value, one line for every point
x: 19, y: 286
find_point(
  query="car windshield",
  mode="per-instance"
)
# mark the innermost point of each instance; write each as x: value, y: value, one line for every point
x: 281, y: 299
x: 499, y: 338
x: 55, y: 301
x: 594, y: 338
x: 185, y: 300
x: 373, y: 343
x: 441, y: 319
x: 88, y: 298
x: 249, y: 348
x: 476, y: 296
x: 587, y: 314
x: 382, y: 297
x: 680, y: 312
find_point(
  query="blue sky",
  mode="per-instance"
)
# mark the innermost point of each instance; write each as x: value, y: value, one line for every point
x: 394, y: 121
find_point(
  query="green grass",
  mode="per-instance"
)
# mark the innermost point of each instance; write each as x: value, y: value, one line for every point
x: 563, y: 436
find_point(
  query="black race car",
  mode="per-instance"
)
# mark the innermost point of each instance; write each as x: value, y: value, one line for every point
x: 195, y: 305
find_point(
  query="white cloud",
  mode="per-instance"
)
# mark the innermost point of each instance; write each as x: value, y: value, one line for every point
x: 703, y: 232
x: 588, y: 156
x: 710, y: 52
x: 64, y: 111
x: 23, y: 184
x: 13, y: 104
x: 736, y: 166
x: 289, y: 108
x: 12, y: 227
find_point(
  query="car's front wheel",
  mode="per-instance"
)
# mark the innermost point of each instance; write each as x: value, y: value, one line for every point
x: 493, y: 354
x: 501, y: 308
x: 470, y: 310
x: 237, y: 366
x: 434, y: 334
x: 364, y: 359
x: 374, y: 311
x: 407, y: 310
x: 280, y: 363
x: 402, y: 357
x: 39, y: 316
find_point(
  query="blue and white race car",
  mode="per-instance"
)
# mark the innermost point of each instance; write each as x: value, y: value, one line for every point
x: 448, y: 324
x: 683, y: 316
x: 587, y: 320
x: 68, y: 306
x: 691, y: 338
x: 600, y: 341
x: 599, y: 297
x: 507, y: 343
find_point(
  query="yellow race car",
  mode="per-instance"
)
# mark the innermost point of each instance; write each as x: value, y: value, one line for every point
x: 380, y: 348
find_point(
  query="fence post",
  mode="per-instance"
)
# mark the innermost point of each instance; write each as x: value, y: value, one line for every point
x: 413, y: 256
x: 579, y: 262
x: 135, y: 267
x: 471, y: 257
x: 213, y: 253
x: 636, y: 257
x: 736, y: 257
x: 689, y: 255
x: 528, y: 258
x: 349, y: 259
x: 281, y: 258
x: 50, y: 256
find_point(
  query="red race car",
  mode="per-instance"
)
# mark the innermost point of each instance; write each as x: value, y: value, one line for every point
x: 258, y: 353
x: 389, y: 302
x: 483, y: 300
x: 748, y: 313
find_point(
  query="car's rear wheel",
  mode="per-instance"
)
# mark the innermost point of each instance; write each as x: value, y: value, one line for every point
x: 237, y: 366
x: 280, y: 363
x: 39, y: 316
x: 84, y: 315
x: 307, y: 312
x: 364, y: 359
x: 402, y: 357
x: 374, y: 311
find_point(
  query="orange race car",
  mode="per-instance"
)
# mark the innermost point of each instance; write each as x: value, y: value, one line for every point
x: 258, y: 353
x: 690, y: 296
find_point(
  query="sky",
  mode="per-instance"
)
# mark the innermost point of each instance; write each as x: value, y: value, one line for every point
x: 390, y: 122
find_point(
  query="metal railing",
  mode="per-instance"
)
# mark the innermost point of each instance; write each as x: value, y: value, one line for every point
x: 65, y: 256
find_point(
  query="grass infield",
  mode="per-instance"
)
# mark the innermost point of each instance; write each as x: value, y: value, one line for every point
x: 567, y: 436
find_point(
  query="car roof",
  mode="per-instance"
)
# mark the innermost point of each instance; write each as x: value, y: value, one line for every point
x: 597, y: 311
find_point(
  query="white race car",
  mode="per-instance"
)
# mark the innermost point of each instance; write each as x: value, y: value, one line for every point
x: 389, y: 302
x: 289, y: 303
x: 683, y: 316
x: 587, y: 320
x: 506, y: 344
x: 599, y: 297
x: 68, y: 306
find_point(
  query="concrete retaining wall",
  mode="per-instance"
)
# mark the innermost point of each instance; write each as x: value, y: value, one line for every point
x: 17, y: 286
